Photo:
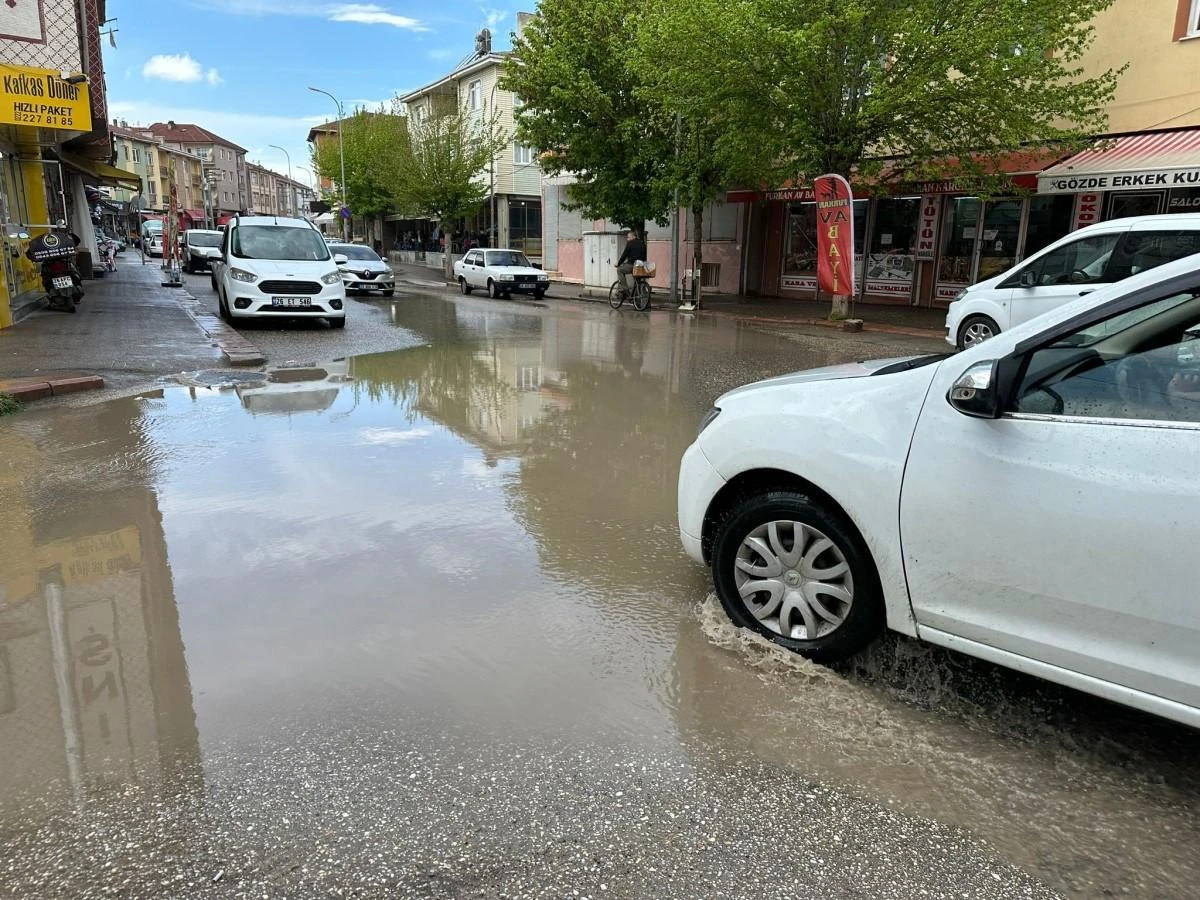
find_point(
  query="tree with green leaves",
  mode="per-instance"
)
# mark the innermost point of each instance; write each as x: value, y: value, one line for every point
x: 884, y: 88
x: 374, y: 143
x: 584, y: 107
x: 441, y: 167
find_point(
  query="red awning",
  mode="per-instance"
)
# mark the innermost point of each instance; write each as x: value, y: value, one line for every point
x: 196, y: 215
x: 224, y: 219
x: 1154, y: 159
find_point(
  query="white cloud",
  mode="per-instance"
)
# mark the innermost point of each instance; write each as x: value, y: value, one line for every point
x: 371, y: 14
x: 213, y: 77
x: 172, y: 67
x: 493, y: 16
x: 389, y: 436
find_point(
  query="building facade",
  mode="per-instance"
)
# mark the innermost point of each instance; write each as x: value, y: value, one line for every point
x: 513, y: 215
x: 224, y: 163
x: 274, y: 194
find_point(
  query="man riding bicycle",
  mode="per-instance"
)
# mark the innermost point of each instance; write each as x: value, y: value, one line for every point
x: 635, y: 252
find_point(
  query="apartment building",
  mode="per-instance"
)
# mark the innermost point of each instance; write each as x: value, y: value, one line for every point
x: 223, y: 160
x: 274, y: 194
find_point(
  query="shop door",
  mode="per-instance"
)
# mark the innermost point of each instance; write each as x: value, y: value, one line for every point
x: 955, y: 264
x: 999, y: 237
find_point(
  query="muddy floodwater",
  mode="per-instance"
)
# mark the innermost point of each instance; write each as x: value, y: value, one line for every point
x: 418, y: 623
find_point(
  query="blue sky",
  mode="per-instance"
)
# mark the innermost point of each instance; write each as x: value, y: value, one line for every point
x: 241, y: 67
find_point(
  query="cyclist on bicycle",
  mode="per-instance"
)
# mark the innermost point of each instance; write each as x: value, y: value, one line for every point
x: 635, y: 252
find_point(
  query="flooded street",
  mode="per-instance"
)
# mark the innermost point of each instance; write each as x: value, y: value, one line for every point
x: 418, y: 623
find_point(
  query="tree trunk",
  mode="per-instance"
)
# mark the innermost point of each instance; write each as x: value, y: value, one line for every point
x: 697, y: 252
x: 448, y: 254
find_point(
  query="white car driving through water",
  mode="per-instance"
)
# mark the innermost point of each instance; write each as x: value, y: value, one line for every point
x: 500, y: 272
x: 1031, y: 500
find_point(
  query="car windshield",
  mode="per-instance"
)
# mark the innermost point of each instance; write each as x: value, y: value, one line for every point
x: 152, y: 226
x: 506, y: 258
x: 204, y: 240
x: 353, y: 251
x: 276, y: 242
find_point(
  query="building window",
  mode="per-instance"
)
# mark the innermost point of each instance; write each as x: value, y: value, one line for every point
x: 474, y: 95
x: 137, y: 155
x: 522, y: 155
x: 1187, y: 19
x: 890, y: 261
x: 800, y: 248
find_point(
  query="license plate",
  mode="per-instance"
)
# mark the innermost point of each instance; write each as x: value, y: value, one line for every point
x: 62, y: 281
x: 291, y: 301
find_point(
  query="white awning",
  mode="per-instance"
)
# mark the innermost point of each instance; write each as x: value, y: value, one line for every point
x: 1153, y: 160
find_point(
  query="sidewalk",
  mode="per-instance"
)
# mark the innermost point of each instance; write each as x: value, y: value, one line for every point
x: 128, y: 329
x: 902, y: 320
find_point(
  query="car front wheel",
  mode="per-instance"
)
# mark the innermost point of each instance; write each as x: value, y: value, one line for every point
x: 493, y: 291
x: 463, y: 286
x: 976, y: 330
x: 796, y: 572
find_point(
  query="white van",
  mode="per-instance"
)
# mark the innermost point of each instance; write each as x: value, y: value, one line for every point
x: 1072, y: 267
x: 277, y: 266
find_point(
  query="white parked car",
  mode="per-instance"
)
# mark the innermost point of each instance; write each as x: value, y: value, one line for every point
x: 500, y: 272
x: 1031, y: 501
x: 1074, y: 266
x: 199, y: 248
x: 362, y: 269
x: 152, y: 237
x: 272, y: 266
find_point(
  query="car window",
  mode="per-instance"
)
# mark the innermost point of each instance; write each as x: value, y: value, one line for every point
x: 1140, y: 364
x: 1079, y: 262
x: 275, y: 242
x: 475, y: 259
x: 506, y: 258
x: 1142, y: 250
x: 353, y: 251
x: 204, y: 240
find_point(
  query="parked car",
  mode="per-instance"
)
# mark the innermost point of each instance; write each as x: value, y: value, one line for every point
x: 363, y: 270
x: 1030, y: 501
x: 199, y: 247
x: 152, y: 237
x: 1080, y: 263
x: 274, y: 265
x: 501, y: 273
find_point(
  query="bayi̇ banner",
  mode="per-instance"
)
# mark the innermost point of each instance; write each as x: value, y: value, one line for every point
x: 835, y: 235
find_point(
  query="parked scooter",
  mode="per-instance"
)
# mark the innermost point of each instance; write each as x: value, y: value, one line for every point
x: 55, y: 253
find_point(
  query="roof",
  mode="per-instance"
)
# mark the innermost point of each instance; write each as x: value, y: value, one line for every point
x: 136, y: 134
x: 187, y: 133
x: 1150, y: 159
x: 331, y: 127
x: 474, y: 65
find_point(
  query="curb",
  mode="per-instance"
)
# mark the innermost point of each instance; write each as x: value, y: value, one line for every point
x: 236, y: 349
x: 28, y: 389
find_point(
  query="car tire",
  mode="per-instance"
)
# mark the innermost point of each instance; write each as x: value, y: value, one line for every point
x: 493, y: 291
x: 539, y: 294
x: 226, y: 312
x: 975, y: 330
x: 828, y: 585
x: 338, y: 322
x: 212, y: 280
x: 390, y: 292
x: 463, y: 286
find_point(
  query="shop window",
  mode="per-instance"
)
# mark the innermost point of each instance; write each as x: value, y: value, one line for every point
x: 958, y: 241
x: 800, y: 250
x: 891, y: 262
x: 1049, y: 219
x: 1184, y: 200
x: 1134, y: 203
x: 998, y: 237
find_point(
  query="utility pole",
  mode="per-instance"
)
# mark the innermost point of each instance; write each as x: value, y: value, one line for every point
x: 495, y: 227
x: 675, y: 222
x: 342, y: 157
x: 291, y: 186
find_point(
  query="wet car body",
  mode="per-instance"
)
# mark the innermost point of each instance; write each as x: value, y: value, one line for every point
x: 974, y: 501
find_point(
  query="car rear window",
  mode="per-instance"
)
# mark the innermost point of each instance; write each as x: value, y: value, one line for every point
x: 278, y: 242
x: 204, y: 240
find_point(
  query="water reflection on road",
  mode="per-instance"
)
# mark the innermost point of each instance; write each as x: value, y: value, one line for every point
x: 480, y: 531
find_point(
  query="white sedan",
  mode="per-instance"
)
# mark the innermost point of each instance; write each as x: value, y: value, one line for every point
x: 501, y: 273
x: 362, y: 269
x: 1031, y: 501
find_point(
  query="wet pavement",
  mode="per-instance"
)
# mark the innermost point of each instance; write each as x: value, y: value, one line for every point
x: 417, y: 623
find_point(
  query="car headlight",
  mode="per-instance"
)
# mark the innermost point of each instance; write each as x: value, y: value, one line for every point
x: 332, y: 278
x: 506, y: 277
x: 543, y: 278
x: 242, y: 275
x: 709, y: 418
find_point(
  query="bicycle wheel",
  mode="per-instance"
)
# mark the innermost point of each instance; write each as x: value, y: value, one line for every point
x: 616, y: 295
x: 641, y: 296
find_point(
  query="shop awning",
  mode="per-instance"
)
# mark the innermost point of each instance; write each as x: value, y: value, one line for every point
x: 196, y: 215
x: 102, y: 171
x: 1154, y: 160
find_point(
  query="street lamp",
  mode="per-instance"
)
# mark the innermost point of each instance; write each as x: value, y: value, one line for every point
x: 342, y: 158
x: 495, y: 238
x: 291, y: 187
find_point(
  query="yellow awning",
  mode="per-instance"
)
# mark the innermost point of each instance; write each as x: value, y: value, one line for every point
x: 102, y: 171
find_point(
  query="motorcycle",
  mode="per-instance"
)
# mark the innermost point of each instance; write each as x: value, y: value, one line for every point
x: 54, y: 252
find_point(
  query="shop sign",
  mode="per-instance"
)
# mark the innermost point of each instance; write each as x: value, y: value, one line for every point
x: 23, y: 20
x: 835, y: 235
x: 1087, y: 209
x: 798, y: 283
x: 795, y: 195
x: 947, y: 291
x: 1113, y: 181
x: 927, y: 227
x: 1186, y: 200
x: 40, y: 98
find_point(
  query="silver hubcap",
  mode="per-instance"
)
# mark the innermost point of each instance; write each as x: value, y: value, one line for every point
x: 977, y: 333
x: 794, y: 580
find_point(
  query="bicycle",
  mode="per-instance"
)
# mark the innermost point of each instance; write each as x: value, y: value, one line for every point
x: 639, y: 296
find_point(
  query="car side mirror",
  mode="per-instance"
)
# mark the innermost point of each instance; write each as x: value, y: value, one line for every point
x: 976, y: 391
x: 340, y: 259
x: 1028, y: 279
